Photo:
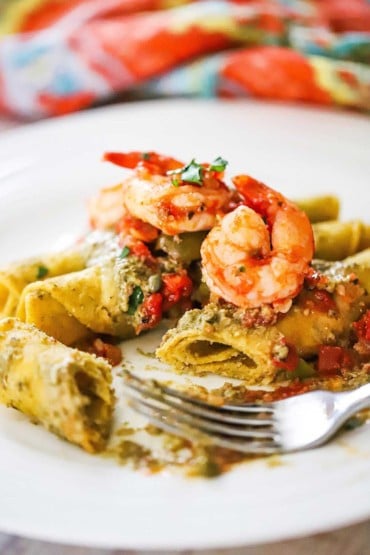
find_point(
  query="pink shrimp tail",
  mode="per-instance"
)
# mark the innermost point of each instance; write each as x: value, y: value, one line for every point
x: 270, y: 204
x: 258, y: 196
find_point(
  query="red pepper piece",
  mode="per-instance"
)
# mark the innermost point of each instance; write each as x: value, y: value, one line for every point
x: 175, y: 287
x: 318, y: 300
x: 362, y: 327
x: 112, y: 353
x: 332, y: 359
x: 289, y: 363
x: 151, y: 311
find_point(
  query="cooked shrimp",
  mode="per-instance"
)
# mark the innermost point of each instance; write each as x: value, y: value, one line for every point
x: 249, y: 262
x: 107, y: 211
x: 106, y: 208
x: 156, y: 163
x: 170, y: 196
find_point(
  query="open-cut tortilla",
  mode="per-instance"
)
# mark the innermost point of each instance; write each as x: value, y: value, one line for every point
x: 223, y: 339
x: 66, y: 390
x: 15, y: 276
x: 214, y: 340
x: 72, y: 306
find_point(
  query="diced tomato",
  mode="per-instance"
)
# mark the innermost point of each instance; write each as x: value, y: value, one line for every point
x: 332, y: 359
x: 112, y: 353
x: 362, y: 327
x: 151, y: 311
x: 318, y: 300
x: 175, y: 287
x: 283, y: 392
x: 289, y: 363
x: 294, y: 388
x: 313, y: 278
x: 139, y: 249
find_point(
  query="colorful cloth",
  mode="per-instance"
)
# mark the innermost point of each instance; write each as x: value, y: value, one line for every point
x: 57, y: 56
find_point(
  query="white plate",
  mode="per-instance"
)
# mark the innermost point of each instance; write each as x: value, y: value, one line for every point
x: 54, y: 491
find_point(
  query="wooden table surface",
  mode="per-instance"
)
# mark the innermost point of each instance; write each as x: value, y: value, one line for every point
x: 353, y: 540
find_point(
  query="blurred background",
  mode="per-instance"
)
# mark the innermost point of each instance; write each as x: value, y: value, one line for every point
x: 59, y: 56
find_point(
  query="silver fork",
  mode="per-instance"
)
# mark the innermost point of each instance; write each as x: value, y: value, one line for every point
x: 293, y: 424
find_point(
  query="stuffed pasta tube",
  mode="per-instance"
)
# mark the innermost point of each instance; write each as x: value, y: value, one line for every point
x: 262, y: 347
x: 214, y: 340
x: 15, y: 276
x: 66, y: 390
x: 123, y: 293
x: 360, y: 264
x: 320, y: 208
x: 337, y: 240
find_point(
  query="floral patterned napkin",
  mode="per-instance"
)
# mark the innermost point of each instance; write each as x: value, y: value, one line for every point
x: 57, y: 56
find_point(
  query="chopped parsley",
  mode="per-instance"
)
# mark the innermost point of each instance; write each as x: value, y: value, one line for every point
x: 219, y: 164
x: 135, y: 299
x: 42, y: 271
x: 145, y: 155
x: 241, y: 268
x: 125, y: 252
x: 191, y: 173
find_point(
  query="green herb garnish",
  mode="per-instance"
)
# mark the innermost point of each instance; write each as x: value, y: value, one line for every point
x: 125, y: 252
x: 42, y: 271
x: 145, y: 155
x: 135, y: 299
x: 192, y: 173
x: 241, y: 268
x: 219, y: 164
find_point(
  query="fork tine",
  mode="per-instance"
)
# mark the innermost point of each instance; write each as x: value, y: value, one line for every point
x: 209, y: 425
x: 163, y: 420
x: 188, y: 404
x: 191, y: 409
x: 250, y: 407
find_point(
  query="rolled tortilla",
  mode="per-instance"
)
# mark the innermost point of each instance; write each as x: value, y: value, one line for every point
x: 360, y: 265
x: 217, y: 339
x: 338, y: 240
x: 307, y: 328
x: 214, y: 340
x: 321, y: 208
x: 73, y: 306
x: 66, y: 390
x: 17, y: 275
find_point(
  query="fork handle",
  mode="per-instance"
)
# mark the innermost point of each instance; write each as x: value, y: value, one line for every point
x: 355, y: 400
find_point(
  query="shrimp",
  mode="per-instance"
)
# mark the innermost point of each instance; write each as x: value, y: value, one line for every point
x: 154, y: 162
x: 250, y: 263
x: 106, y: 208
x: 107, y: 211
x: 170, y: 196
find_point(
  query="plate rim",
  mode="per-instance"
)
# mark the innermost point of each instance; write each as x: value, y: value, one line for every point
x: 26, y: 134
